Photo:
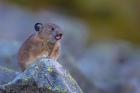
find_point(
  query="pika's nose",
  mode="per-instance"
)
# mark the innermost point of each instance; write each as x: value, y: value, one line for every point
x: 60, y: 34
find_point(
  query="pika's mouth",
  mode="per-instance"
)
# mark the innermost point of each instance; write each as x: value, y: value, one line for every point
x: 58, y: 36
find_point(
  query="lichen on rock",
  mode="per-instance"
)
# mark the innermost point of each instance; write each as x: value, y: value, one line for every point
x: 44, y: 75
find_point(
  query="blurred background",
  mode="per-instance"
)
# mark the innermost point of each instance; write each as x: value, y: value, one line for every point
x: 101, y: 45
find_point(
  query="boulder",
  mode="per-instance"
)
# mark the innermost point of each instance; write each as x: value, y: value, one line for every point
x: 44, y: 76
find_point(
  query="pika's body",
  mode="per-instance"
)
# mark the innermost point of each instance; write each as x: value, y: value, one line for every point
x: 44, y: 43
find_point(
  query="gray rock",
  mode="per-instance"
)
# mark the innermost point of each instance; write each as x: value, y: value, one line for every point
x: 44, y: 76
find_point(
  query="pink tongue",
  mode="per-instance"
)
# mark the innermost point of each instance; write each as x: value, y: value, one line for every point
x: 58, y: 37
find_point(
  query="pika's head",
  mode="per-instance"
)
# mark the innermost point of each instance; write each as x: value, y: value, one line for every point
x: 50, y: 32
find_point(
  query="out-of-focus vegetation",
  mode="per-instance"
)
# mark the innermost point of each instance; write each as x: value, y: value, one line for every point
x: 111, y: 62
x: 107, y: 18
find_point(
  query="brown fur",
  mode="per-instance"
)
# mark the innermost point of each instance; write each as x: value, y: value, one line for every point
x: 34, y: 48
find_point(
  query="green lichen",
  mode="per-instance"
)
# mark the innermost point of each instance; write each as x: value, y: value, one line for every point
x: 49, y: 87
x: 58, y: 88
x: 50, y: 69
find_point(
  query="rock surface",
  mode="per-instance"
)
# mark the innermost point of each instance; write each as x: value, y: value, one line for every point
x: 44, y: 76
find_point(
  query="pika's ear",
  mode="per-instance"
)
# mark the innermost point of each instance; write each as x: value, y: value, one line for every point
x: 38, y: 27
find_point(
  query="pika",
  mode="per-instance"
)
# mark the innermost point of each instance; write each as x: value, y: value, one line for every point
x: 45, y: 42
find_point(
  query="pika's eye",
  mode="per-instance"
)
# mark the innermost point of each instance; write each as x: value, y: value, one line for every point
x: 38, y: 27
x: 51, y: 28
